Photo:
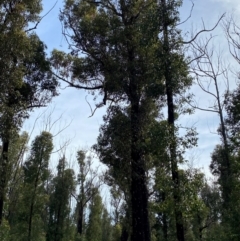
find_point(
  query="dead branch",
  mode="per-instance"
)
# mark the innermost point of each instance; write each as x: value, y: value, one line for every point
x: 190, y: 15
x: 37, y: 23
x: 204, y: 30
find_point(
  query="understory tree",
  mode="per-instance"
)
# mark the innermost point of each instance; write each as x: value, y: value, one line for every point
x: 60, y: 223
x: 89, y: 183
x: 36, y: 174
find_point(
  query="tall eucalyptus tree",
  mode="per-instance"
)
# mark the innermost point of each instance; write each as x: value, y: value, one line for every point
x: 116, y: 50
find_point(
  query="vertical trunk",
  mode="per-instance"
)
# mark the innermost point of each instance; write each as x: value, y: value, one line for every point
x: 30, y: 222
x: 80, y: 218
x: 139, y: 192
x: 59, y: 217
x: 138, y: 189
x: 200, y: 229
x: 31, y: 211
x: 58, y: 235
x: 164, y: 221
x: 81, y: 203
x: 226, y: 169
x: 170, y: 104
x: 3, y: 175
x: 173, y: 160
x: 124, y: 234
x: 140, y: 219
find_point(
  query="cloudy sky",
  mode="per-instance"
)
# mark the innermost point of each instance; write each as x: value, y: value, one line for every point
x: 73, y: 110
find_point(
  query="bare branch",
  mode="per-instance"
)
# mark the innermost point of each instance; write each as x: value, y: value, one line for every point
x: 190, y: 15
x: 204, y: 30
x: 231, y: 31
x: 76, y: 85
x: 203, y: 109
x: 36, y: 25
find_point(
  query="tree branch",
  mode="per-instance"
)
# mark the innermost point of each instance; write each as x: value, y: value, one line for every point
x: 76, y: 85
x: 204, y: 30
x: 35, y: 26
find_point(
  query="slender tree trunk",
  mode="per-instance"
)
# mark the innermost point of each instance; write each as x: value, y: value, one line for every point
x: 80, y: 218
x: 31, y: 212
x: 81, y: 207
x: 164, y: 221
x: 57, y: 235
x: 30, y: 222
x: 200, y: 229
x: 173, y: 147
x: 3, y: 175
x: 226, y: 169
x: 175, y: 175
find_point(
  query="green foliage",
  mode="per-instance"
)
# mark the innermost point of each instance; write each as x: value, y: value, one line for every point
x: 26, y: 80
x: 36, y: 167
x: 120, y: 50
x: 88, y: 182
x: 114, y: 147
x: 24, y: 67
x: 106, y: 226
x: 4, y: 231
x: 233, y: 118
x: 94, y: 226
x: 29, y: 219
x: 60, y: 226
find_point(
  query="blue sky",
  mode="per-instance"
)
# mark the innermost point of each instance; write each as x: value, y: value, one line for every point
x: 72, y: 106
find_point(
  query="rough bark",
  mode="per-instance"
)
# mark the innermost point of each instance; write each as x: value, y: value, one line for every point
x: 139, y: 192
x: 3, y: 175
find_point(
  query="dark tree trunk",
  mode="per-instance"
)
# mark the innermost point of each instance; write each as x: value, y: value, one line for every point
x: 30, y: 222
x: 139, y: 192
x: 31, y: 211
x: 164, y: 221
x: 226, y: 168
x: 3, y: 175
x: 124, y: 234
x: 80, y: 218
x: 173, y: 147
x: 173, y: 160
x: 58, y: 233
x: 138, y: 189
